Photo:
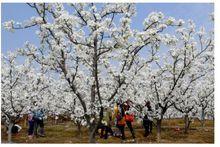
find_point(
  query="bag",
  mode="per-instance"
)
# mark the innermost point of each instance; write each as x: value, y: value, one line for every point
x: 129, y: 117
x: 121, y: 122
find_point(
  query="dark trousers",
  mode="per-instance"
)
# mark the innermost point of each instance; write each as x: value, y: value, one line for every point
x: 147, y: 126
x: 31, y: 128
x: 39, y: 124
x: 107, y: 130
x: 122, y: 130
x: 130, y: 128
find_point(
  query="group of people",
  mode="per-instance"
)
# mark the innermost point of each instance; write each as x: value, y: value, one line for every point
x: 122, y: 116
x: 36, y: 123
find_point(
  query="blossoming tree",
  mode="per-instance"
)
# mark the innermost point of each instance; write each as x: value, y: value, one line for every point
x: 96, y: 55
x: 93, y: 53
x: 22, y: 89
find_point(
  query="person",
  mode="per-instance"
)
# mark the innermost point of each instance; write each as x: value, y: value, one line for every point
x: 105, y: 130
x: 56, y: 118
x: 38, y: 117
x: 31, y: 125
x: 120, y: 118
x: 106, y: 124
x: 148, y: 119
x: 16, y: 129
x: 129, y: 118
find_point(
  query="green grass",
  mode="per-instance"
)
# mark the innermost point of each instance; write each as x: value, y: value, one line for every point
x: 67, y: 133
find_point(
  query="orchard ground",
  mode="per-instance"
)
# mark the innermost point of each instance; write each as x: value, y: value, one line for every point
x: 66, y: 132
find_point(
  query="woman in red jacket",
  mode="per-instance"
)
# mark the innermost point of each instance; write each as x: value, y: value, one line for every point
x: 129, y: 118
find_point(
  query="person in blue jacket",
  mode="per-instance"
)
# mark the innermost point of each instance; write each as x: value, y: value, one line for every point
x: 39, y: 122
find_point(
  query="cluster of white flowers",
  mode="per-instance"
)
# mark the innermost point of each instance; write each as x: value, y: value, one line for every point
x: 9, y: 25
x: 169, y: 39
x: 38, y: 20
x: 154, y: 17
x: 170, y: 21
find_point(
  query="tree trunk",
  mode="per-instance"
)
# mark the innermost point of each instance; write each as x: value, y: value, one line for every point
x: 186, y: 121
x: 159, y: 121
x: 94, y: 126
x: 9, y: 132
x: 92, y: 132
x: 79, y: 127
x: 203, y: 118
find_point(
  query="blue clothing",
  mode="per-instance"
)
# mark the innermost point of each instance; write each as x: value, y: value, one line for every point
x: 39, y: 114
x: 31, y: 128
x: 38, y: 118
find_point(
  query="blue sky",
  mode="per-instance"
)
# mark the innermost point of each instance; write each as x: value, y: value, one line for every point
x: 199, y: 12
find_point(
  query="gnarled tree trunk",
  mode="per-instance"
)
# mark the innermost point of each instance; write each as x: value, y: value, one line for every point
x: 94, y: 127
x: 187, y: 123
x: 92, y: 132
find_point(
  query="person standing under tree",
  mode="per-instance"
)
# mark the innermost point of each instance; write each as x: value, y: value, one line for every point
x: 38, y: 117
x: 129, y: 117
x: 120, y: 118
x: 31, y: 125
x: 147, y: 119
